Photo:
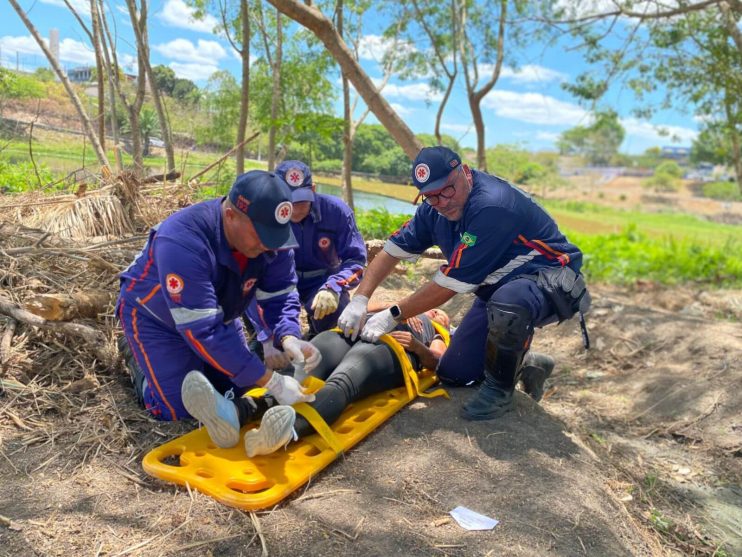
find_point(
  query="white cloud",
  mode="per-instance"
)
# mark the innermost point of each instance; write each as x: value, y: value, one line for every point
x: 175, y: 13
x: 653, y: 132
x: 82, y: 7
x: 412, y: 92
x: 70, y: 50
x: 194, y: 72
x: 401, y: 109
x: 183, y: 50
x: 457, y: 128
x: 375, y: 47
x: 532, y: 73
x: 547, y: 136
x: 535, y: 108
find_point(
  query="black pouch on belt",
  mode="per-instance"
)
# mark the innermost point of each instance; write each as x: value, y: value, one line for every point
x: 568, y: 293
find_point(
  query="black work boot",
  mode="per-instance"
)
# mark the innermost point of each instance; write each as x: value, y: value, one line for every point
x: 495, y: 395
x: 136, y: 374
x: 535, y: 371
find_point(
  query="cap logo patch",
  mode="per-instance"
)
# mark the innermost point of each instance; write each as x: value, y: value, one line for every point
x: 174, y: 283
x: 454, y: 163
x: 324, y: 242
x: 422, y: 172
x: 242, y: 203
x: 294, y: 177
x: 283, y: 212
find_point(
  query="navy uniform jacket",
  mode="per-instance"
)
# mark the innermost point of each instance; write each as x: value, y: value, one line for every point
x: 187, y: 280
x: 502, y: 234
x: 330, y: 246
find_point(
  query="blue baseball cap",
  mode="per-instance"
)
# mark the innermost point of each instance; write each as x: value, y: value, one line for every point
x: 299, y: 178
x: 266, y: 199
x: 432, y: 167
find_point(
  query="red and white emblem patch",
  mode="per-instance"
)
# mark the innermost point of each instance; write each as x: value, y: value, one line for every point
x: 294, y: 177
x: 174, y: 283
x: 247, y: 285
x: 422, y: 172
x: 283, y: 212
x: 324, y: 242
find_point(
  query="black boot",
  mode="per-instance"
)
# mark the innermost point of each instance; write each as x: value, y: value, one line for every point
x: 507, y: 339
x: 536, y: 370
x: 136, y: 374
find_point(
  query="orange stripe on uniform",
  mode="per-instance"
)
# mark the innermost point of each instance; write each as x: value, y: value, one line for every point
x: 545, y: 250
x: 351, y: 279
x: 152, y: 292
x: 455, y: 259
x: 560, y: 255
x: 205, y: 354
x: 149, y: 365
x: 147, y: 265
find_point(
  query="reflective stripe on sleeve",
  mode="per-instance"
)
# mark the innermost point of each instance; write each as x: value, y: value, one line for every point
x: 183, y: 316
x: 495, y: 276
x: 264, y: 295
x: 395, y: 251
x: 452, y: 284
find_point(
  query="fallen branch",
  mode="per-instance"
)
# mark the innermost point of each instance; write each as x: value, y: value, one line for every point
x: 94, y: 338
x: 222, y: 158
x: 64, y: 307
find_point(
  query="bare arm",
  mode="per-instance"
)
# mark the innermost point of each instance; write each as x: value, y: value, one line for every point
x: 428, y: 296
x: 429, y: 356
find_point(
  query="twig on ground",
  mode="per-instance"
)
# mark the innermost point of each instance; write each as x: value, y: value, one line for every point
x: 259, y: 532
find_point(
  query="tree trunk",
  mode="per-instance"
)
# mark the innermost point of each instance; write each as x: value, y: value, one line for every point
x: 476, y: 114
x: 245, y: 99
x: 439, y: 114
x: 140, y: 34
x: 311, y: 18
x: 275, y: 101
x: 346, y: 177
x: 111, y: 91
x: 64, y: 307
x: 733, y: 134
x: 89, y: 130
x: 99, y: 72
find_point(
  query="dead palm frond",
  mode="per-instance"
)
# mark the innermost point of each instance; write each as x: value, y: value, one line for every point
x: 85, y: 217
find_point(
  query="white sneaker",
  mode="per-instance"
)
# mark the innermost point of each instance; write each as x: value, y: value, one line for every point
x: 275, y: 431
x: 218, y: 413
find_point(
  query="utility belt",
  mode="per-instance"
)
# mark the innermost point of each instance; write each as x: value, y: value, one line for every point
x: 311, y: 274
x: 568, y: 294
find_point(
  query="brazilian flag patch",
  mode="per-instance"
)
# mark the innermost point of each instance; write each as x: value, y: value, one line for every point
x: 468, y: 239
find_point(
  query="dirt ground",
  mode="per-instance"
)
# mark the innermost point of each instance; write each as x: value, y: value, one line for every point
x: 635, y: 451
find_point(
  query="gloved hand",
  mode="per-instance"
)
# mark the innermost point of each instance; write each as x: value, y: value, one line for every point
x: 302, y: 352
x: 273, y: 357
x: 287, y: 390
x: 325, y: 302
x: 353, y: 316
x: 377, y: 325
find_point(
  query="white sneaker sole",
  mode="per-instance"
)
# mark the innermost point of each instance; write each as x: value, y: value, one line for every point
x: 200, y: 399
x: 275, y: 431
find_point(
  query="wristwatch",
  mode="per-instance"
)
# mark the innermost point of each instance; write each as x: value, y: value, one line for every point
x: 396, y: 312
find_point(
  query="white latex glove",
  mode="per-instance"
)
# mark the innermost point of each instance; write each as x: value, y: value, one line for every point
x: 325, y: 302
x: 353, y: 316
x: 273, y: 357
x: 301, y: 352
x: 378, y: 324
x: 287, y: 390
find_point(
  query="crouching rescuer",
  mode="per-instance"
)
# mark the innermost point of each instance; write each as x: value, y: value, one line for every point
x: 182, y: 300
x: 500, y: 245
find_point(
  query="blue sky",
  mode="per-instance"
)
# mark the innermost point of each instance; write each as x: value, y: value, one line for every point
x: 527, y: 106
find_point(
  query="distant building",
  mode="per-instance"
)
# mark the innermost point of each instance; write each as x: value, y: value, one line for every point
x: 83, y: 74
x: 679, y: 154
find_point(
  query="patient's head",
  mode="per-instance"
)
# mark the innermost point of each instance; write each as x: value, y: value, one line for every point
x: 439, y: 316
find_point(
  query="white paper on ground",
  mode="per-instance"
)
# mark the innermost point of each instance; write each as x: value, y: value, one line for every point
x: 471, y: 520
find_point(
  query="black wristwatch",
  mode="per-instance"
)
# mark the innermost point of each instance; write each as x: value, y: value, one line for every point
x: 396, y: 312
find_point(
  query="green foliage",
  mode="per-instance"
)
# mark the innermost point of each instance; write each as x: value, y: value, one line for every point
x: 651, y: 158
x: 186, y: 91
x: 726, y: 191
x: 44, y: 74
x: 20, y: 176
x: 20, y: 86
x: 670, y: 167
x: 598, y: 142
x: 630, y: 256
x: 221, y: 101
x: 711, y: 145
x: 522, y: 167
x: 379, y: 223
x: 329, y: 165
x: 164, y: 79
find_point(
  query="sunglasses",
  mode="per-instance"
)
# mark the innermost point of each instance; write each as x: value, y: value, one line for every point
x: 446, y: 192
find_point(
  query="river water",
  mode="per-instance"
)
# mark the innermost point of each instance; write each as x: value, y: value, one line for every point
x: 363, y: 200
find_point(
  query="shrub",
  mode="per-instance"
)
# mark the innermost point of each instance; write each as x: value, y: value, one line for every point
x: 330, y: 165
x: 663, y: 181
x: 18, y: 86
x: 726, y: 191
x: 669, y: 167
x: 20, y: 176
x: 379, y: 223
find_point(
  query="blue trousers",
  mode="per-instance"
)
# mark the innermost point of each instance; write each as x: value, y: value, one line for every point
x: 463, y: 363
x: 165, y: 358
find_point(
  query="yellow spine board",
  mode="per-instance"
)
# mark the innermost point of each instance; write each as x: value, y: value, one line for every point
x: 233, y: 479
